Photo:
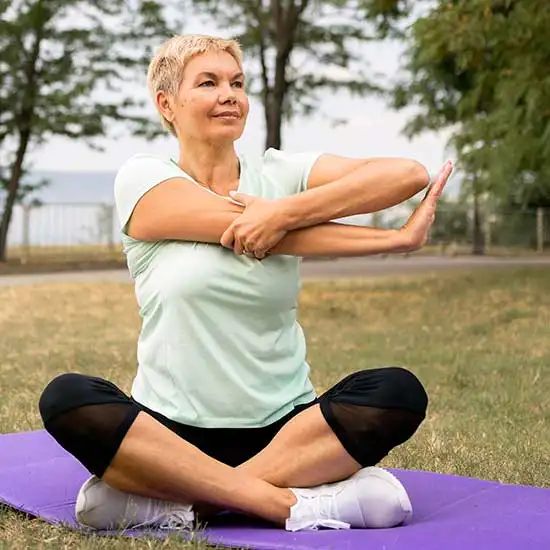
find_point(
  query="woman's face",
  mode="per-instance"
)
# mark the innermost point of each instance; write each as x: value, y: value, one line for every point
x: 211, y: 104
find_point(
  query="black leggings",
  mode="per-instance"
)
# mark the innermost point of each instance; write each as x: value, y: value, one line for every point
x: 371, y: 412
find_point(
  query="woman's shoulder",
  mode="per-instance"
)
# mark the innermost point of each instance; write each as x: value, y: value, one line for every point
x: 141, y: 168
x: 146, y: 160
x: 273, y: 155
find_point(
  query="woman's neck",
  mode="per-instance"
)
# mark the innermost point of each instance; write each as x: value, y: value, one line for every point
x: 214, y: 167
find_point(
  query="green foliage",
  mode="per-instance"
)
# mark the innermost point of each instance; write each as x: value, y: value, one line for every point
x: 63, y: 66
x: 480, y: 68
x: 452, y: 223
x: 299, y: 49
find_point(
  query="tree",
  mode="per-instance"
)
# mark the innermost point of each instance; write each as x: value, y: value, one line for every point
x: 63, y: 62
x: 478, y: 68
x: 301, y: 48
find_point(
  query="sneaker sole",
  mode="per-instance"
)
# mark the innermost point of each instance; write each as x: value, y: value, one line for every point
x: 380, y: 473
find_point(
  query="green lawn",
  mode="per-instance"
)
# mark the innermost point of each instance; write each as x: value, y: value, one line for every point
x: 479, y: 341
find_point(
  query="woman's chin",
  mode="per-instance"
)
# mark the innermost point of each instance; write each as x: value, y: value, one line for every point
x: 225, y: 134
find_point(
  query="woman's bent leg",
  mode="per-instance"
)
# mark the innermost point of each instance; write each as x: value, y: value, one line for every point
x: 133, y: 452
x: 356, y: 424
x: 304, y: 453
x: 153, y: 461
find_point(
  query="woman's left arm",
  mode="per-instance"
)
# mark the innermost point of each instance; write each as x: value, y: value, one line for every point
x: 338, y: 187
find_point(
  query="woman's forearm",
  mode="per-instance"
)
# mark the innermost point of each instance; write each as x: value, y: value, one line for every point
x: 336, y: 239
x: 370, y: 188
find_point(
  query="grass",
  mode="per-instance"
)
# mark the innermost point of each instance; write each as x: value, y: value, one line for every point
x: 42, y: 259
x: 479, y: 341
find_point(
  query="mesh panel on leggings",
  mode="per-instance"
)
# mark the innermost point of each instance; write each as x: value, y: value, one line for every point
x: 370, y: 433
x: 93, y: 433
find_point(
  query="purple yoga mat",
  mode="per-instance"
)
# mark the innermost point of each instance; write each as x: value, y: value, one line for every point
x: 452, y: 513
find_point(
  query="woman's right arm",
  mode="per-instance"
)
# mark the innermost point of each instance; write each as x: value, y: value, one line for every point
x: 178, y: 209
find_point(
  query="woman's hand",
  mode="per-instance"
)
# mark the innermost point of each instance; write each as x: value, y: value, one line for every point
x: 416, y: 229
x: 257, y: 230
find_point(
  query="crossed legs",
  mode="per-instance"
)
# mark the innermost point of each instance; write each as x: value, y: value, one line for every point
x: 354, y: 424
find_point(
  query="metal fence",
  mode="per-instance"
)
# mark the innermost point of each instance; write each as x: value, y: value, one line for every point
x: 91, y: 229
x: 64, y: 229
x: 510, y: 232
x: 520, y: 231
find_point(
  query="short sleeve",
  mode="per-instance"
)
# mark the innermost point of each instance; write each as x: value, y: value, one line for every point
x: 292, y: 169
x: 135, y: 177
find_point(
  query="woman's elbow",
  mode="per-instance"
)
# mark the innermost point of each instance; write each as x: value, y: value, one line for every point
x: 417, y: 175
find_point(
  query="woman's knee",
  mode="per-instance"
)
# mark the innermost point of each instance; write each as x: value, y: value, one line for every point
x: 59, y: 395
x: 88, y: 417
x: 400, y: 388
x: 375, y: 410
x: 398, y: 403
x: 384, y: 387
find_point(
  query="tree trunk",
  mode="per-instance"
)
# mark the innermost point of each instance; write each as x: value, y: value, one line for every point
x: 13, y: 186
x: 274, y: 107
x: 274, y: 122
x: 286, y: 21
x: 478, y: 237
x: 24, y: 122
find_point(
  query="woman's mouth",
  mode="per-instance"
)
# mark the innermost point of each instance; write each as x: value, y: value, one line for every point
x: 229, y: 115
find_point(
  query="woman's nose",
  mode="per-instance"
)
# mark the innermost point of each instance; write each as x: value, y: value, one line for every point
x: 227, y: 94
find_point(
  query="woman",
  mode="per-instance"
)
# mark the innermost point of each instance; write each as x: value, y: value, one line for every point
x: 223, y: 415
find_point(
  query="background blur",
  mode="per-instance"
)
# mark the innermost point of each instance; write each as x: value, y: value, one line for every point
x: 430, y: 80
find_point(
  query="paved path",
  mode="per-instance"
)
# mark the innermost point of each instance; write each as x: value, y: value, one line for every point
x: 319, y: 269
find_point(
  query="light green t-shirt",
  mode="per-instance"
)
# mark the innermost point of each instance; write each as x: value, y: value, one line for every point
x: 220, y: 345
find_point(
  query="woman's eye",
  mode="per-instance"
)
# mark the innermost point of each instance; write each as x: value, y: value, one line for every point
x: 207, y: 83
x: 238, y: 84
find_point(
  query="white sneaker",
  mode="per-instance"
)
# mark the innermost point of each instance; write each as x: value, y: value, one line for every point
x: 372, y: 498
x: 101, y: 507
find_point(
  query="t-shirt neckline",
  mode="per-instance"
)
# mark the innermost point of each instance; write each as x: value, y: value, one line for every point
x: 206, y: 188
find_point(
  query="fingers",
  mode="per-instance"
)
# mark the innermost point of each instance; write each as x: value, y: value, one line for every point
x: 442, y: 178
x: 438, y: 185
x: 253, y: 251
x: 228, y: 237
x: 248, y: 248
x: 231, y: 239
x: 238, y: 246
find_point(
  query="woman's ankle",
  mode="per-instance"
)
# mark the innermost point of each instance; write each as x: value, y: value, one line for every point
x: 286, y: 500
x: 283, y: 501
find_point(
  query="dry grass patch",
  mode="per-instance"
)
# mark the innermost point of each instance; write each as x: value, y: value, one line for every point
x: 479, y: 341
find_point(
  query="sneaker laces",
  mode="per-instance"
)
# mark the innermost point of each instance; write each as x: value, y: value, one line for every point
x: 324, y: 510
x: 178, y: 519
x: 181, y: 520
x: 165, y: 515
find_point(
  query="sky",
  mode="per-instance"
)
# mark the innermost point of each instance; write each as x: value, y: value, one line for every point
x: 373, y: 130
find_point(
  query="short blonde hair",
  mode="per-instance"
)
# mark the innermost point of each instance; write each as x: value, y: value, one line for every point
x: 165, y: 71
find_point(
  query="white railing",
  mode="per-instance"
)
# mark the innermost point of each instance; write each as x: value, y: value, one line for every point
x: 73, y: 227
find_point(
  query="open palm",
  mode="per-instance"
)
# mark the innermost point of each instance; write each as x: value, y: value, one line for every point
x: 418, y: 226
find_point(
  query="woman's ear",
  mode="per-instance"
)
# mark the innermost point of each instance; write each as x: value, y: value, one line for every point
x: 164, y: 106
